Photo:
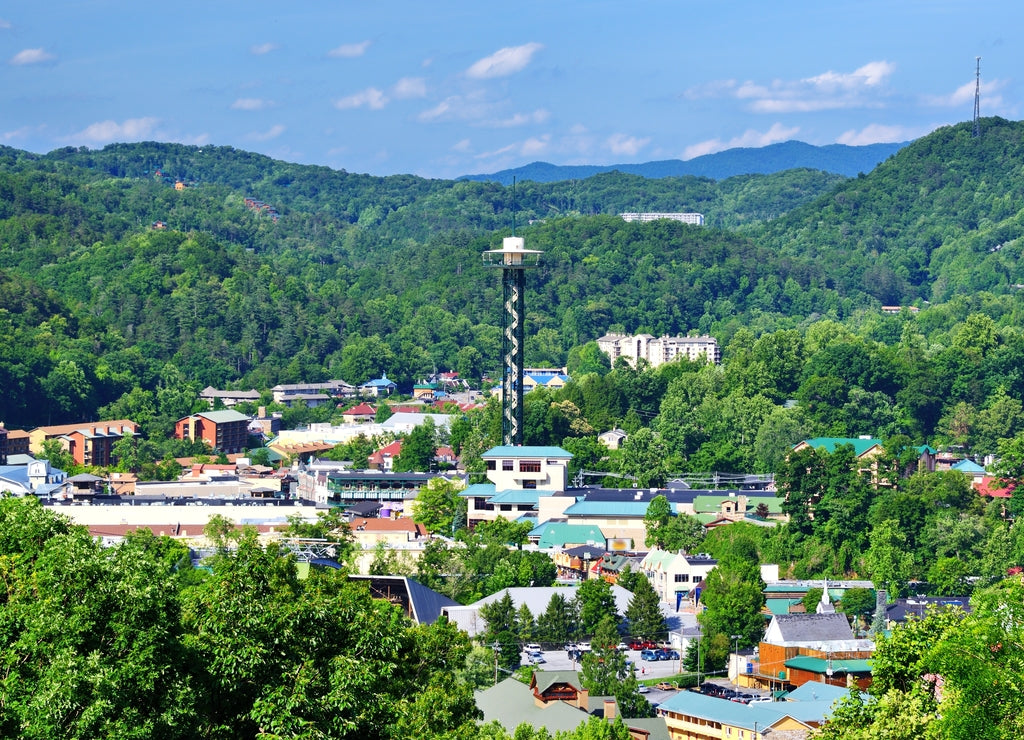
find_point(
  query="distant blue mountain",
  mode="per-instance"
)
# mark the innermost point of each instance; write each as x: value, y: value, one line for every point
x: 838, y: 158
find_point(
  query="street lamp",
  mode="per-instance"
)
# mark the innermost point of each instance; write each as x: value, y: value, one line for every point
x: 735, y: 656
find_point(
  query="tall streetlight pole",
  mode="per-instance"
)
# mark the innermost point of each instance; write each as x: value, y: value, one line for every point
x: 513, y: 258
x: 735, y: 653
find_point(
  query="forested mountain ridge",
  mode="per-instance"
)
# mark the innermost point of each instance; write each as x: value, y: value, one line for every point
x: 941, y: 217
x: 840, y: 159
x: 366, y: 275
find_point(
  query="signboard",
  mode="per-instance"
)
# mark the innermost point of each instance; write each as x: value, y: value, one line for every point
x: 618, y: 544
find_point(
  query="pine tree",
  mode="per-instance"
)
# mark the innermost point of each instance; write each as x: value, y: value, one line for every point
x: 644, y: 613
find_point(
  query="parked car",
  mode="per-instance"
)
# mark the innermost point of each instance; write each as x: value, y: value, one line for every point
x: 536, y: 658
x: 672, y: 655
x: 622, y: 646
x: 532, y: 647
x: 584, y: 646
x: 648, y: 655
x: 666, y: 686
x: 643, y: 688
x: 642, y: 645
x: 662, y: 654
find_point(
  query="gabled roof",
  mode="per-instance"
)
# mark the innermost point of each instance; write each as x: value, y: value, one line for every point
x: 544, y: 680
x: 425, y: 604
x: 559, y: 534
x: 968, y: 466
x: 363, y: 409
x: 830, y: 444
x: 787, y: 629
x: 511, y: 703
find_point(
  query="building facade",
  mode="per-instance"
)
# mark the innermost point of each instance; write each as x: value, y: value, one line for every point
x: 659, y: 350
x: 224, y: 431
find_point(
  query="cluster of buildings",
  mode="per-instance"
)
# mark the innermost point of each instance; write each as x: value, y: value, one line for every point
x: 262, y: 209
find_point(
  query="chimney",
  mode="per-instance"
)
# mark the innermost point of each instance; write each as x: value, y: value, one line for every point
x: 609, y: 709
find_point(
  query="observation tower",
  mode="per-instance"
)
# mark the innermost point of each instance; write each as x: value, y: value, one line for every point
x: 514, y: 259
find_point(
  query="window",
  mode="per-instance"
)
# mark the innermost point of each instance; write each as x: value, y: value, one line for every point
x: 529, y: 466
x: 506, y: 465
x: 491, y: 465
x: 531, y: 484
x: 682, y: 577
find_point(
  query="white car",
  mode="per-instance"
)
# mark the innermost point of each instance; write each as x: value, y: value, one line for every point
x: 644, y: 688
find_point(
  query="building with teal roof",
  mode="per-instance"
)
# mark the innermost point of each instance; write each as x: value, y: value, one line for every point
x: 549, y: 534
x: 861, y: 445
x: 689, y: 714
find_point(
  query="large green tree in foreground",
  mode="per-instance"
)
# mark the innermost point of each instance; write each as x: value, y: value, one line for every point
x: 130, y: 642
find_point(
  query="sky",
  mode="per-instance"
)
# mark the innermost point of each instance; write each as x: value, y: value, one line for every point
x: 454, y: 87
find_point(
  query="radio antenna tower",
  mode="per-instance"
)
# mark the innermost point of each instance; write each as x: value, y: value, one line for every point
x: 977, y: 97
x: 513, y: 258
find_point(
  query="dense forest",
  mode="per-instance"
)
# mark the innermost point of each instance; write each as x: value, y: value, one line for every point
x: 362, y: 275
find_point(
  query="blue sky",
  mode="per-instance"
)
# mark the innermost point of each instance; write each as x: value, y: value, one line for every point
x: 452, y: 87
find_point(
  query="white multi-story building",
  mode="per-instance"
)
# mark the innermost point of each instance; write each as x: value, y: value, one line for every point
x: 659, y: 350
x: 697, y: 219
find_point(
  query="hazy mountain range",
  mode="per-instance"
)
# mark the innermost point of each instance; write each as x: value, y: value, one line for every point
x: 837, y: 158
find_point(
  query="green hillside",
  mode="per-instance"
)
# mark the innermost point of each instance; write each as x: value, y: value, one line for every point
x: 361, y: 275
x: 942, y: 217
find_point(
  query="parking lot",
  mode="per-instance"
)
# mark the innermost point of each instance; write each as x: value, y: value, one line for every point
x: 559, y: 660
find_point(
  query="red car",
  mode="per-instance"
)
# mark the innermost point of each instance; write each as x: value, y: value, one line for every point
x: 642, y: 645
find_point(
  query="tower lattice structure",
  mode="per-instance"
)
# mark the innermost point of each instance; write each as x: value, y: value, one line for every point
x: 513, y: 258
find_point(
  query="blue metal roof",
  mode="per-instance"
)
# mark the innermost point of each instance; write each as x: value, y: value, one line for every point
x: 610, y: 508
x: 478, y: 489
x: 519, y: 496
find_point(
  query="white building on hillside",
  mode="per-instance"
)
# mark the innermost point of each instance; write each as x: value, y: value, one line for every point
x: 697, y: 219
x: 659, y: 350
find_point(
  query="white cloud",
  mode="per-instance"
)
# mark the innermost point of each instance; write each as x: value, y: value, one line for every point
x: 504, y: 62
x: 497, y: 152
x: 535, y: 145
x: 349, y: 51
x: 371, y: 98
x: 18, y: 133
x: 462, y: 146
x: 251, y: 104
x: 964, y: 96
x: 272, y: 133
x: 829, y: 90
x: 438, y: 111
x: 31, y: 56
x: 410, y: 87
x: 876, y: 133
x: 871, y: 74
x: 520, y: 119
x: 621, y: 144
x: 749, y: 138
x: 261, y: 49
x: 4, y: 24
x: 132, y: 129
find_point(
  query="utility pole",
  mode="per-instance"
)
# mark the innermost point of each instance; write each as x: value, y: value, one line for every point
x: 977, y: 97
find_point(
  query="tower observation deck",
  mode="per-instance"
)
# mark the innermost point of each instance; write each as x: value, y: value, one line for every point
x: 513, y: 258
